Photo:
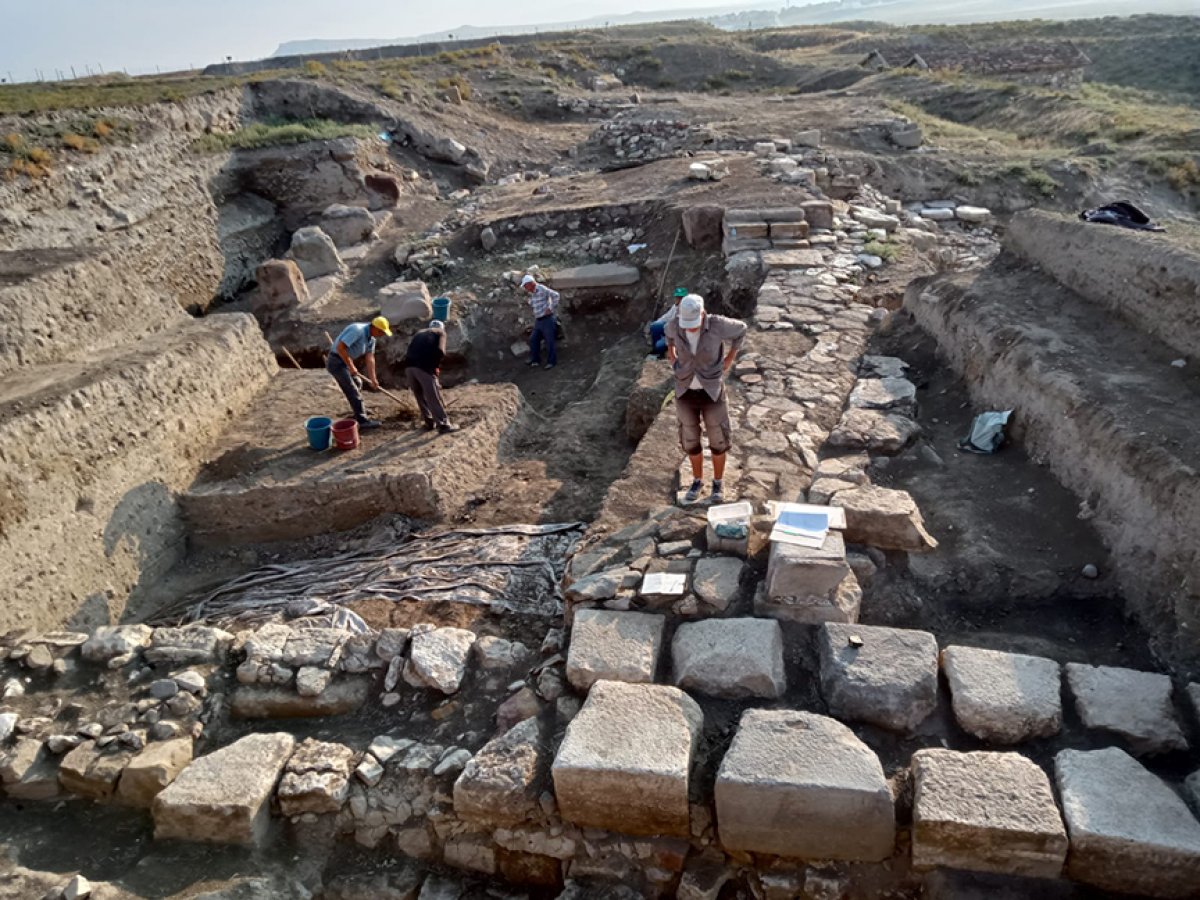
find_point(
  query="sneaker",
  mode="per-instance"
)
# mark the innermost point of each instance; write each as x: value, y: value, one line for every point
x: 548, y: 366
x: 429, y: 425
x: 693, y: 493
x: 447, y: 428
x: 718, y: 494
x: 533, y: 364
x: 368, y: 424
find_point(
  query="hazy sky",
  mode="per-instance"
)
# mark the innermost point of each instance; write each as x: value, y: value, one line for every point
x: 142, y: 34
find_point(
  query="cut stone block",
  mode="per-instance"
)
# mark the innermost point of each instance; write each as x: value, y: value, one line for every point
x: 792, y: 259
x: 801, y: 785
x: 1004, y: 698
x: 1135, y: 705
x: 818, y: 213
x: 224, y: 797
x: 343, y: 695
x: 281, y: 286
x: 152, y: 770
x: 317, y: 779
x: 795, y: 571
x: 731, y: 658
x: 1129, y: 831
x: 403, y: 301
x: 596, y: 275
x: 625, y: 762
x: 883, y: 393
x: 347, y: 225
x: 986, y: 812
x: 90, y: 772
x: 883, y: 518
x: 715, y: 580
x: 841, y: 605
x: 890, y: 680
x: 869, y: 429
x: 613, y: 646
x: 499, y: 786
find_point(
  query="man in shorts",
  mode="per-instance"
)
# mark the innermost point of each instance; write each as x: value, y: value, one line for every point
x: 702, y: 349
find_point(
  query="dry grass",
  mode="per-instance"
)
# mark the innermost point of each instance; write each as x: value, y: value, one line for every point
x: 280, y: 133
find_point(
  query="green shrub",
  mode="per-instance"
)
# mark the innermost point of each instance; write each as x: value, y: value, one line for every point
x: 884, y: 251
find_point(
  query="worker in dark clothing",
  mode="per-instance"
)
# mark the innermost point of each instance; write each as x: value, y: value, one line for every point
x: 424, y: 358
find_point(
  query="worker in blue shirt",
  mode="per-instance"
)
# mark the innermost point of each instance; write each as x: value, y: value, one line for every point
x: 356, y: 344
x: 544, y: 303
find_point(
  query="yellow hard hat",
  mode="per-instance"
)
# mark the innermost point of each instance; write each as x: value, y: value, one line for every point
x: 383, y: 325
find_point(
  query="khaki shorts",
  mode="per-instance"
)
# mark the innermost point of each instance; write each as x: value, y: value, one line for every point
x: 690, y: 409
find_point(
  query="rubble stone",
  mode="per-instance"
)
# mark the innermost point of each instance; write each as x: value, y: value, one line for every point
x: 224, y: 797
x: 500, y: 785
x: 1004, y: 698
x: 341, y: 696
x: 191, y: 645
x: 438, y: 658
x: 730, y: 658
x: 315, y: 253
x: 405, y: 301
x: 151, y: 770
x: 797, y: 784
x: 715, y: 580
x: 883, y: 394
x: 316, y: 779
x: 889, y: 679
x: 625, y: 762
x: 1135, y: 705
x: 1129, y: 831
x: 111, y: 641
x: 87, y: 771
x: 347, y: 225
x: 281, y: 286
x: 613, y: 646
x: 868, y: 429
x: 985, y: 812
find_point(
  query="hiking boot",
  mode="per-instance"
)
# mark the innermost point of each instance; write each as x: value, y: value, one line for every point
x: 429, y: 425
x: 718, y: 494
x: 368, y: 424
x: 447, y: 428
x: 693, y: 493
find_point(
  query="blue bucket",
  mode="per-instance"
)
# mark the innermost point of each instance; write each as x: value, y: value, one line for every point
x: 441, y: 309
x: 320, y: 432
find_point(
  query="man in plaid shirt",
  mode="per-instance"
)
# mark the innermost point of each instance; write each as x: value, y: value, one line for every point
x: 545, y: 303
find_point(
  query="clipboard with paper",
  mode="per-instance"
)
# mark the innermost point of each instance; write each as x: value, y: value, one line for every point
x: 805, y: 524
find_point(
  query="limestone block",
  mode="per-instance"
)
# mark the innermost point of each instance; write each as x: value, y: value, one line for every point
x: 191, y: 645
x: 874, y: 219
x: 88, y: 771
x: 938, y: 215
x: 1129, y: 831
x: 789, y: 230
x: 883, y: 393
x: 403, y: 301
x: 746, y: 231
x: 972, y: 214
x: 316, y: 779
x: 224, y: 797
x: 438, y: 658
x: 341, y: 696
x: 731, y: 658
x: 889, y: 679
x: 500, y: 785
x: 596, y: 275
x: 793, y: 259
x: 884, y: 518
x: 315, y: 253
x: 985, y: 812
x: 613, y: 646
x: 795, y: 571
x: 809, y: 138
x: 383, y: 190
x: 111, y: 641
x: 1135, y: 705
x: 840, y: 605
x: 879, y: 432
x: 797, y: 784
x: 626, y: 760
x: 818, y: 213
x: 281, y: 286
x: 1004, y: 698
x: 716, y: 580
x: 151, y: 770
x: 347, y: 225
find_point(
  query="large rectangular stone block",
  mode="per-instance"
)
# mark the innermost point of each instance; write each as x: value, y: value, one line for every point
x: 613, y: 646
x: 884, y: 676
x: 224, y: 797
x: 595, y: 275
x: 626, y: 760
x: 987, y: 812
x: 795, y: 571
x: 1136, y: 705
x: 1004, y: 697
x: 801, y: 785
x: 1129, y: 831
x: 732, y: 658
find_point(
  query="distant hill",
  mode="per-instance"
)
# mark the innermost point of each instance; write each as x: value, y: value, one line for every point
x: 742, y: 16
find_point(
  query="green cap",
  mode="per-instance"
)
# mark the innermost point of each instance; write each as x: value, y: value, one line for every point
x: 681, y: 292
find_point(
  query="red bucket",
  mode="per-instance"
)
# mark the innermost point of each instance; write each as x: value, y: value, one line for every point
x: 345, y: 434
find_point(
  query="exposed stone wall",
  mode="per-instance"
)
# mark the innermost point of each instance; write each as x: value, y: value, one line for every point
x: 1147, y: 279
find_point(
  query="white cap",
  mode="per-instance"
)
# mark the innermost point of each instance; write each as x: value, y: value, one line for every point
x: 691, y: 311
x: 527, y: 280
x: 437, y: 325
